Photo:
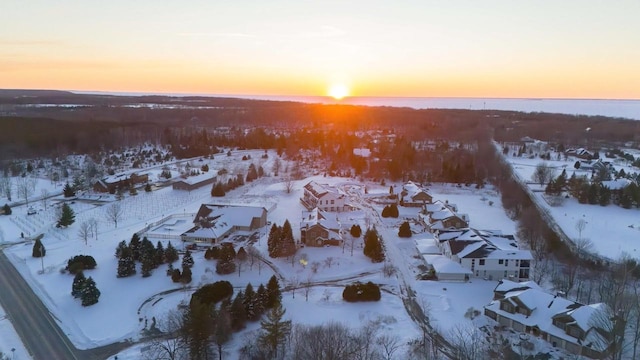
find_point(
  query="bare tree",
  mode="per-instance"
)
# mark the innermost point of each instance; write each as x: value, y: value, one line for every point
x: 389, y: 344
x: 44, y: 195
x: 307, y: 287
x: 293, y: 284
x: 170, y: 346
x: 24, y: 188
x: 253, y: 255
x: 543, y: 173
x: 580, y: 226
x: 329, y: 261
x: 468, y: 342
x: 288, y: 184
x: 276, y: 166
x: 94, y: 227
x: 84, y: 231
x: 352, y: 242
x: 114, y: 213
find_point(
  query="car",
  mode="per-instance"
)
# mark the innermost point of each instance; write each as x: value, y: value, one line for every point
x: 31, y: 211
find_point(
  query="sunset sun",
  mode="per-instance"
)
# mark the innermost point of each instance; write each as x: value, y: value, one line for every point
x: 338, y: 91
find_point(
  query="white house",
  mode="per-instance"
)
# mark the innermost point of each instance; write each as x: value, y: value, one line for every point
x: 324, y: 197
x: 577, y: 328
x: 487, y: 253
x: 216, y: 222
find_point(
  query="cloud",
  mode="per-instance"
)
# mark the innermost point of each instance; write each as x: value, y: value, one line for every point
x: 218, y: 34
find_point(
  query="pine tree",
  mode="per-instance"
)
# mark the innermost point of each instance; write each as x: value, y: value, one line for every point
x: 122, y: 246
x: 238, y: 312
x: 286, y: 240
x: 67, y: 216
x: 170, y: 254
x: 6, y: 209
x: 274, y: 295
x: 274, y: 330
x: 273, y: 243
x: 372, y: 246
x: 135, y: 246
x: 221, y: 328
x: 249, y: 302
x: 90, y: 293
x: 78, y: 284
x: 356, y: 231
x: 126, y: 264
x: 187, y: 260
x: 260, y: 300
x: 159, y: 254
x: 148, y: 264
x: 405, y: 230
x: 148, y: 253
x: 38, y: 249
x: 186, y: 276
x: 68, y: 191
x: 217, y: 190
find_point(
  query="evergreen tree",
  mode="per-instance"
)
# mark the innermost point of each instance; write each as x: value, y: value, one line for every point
x: 78, y: 284
x: 186, y: 276
x: 170, y: 254
x: 221, y: 332
x: 187, y: 260
x: 605, y: 196
x: 356, y: 231
x: 238, y: 312
x: 405, y: 230
x: 249, y: 302
x: 260, y: 300
x: 90, y: 293
x: 126, y: 264
x: 135, y: 247
x: 372, y: 246
x: 147, y: 188
x: 393, y: 211
x: 38, y: 249
x: 122, y: 246
x: 197, y: 330
x: 68, y: 191
x: 67, y: 216
x: 273, y: 243
x: 217, y: 190
x: 274, y: 330
x: 6, y: 209
x: 159, y: 254
x: 286, y: 240
x: 274, y: 295
x: 148, y: 264
x: 148, y: 253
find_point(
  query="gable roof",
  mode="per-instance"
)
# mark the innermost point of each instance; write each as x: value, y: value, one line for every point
x: 320, y: 190
x: 319, y: 217
x: 484, y: 244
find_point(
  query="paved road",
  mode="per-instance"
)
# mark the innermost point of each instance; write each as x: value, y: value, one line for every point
x: 39, y: 332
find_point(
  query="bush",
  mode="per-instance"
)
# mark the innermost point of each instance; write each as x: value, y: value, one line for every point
x: 361, y: 292
x: 212, y: 253
x: 224, y: 267
x: 213, y: 293
x: 79, y: 263
x: 6, y: 209
x: 405, y: 230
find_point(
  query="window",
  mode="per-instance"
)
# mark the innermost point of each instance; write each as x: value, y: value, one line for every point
x: 517, y: 263
x: 332, y: 202
x: 481, y: 261
x: 506, y: 262
x: 505, y: 274
x: 524, y: 263
x: 500, y: 261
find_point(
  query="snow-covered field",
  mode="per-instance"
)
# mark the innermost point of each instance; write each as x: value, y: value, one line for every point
x: 127, y: 306
x: 612, y: 229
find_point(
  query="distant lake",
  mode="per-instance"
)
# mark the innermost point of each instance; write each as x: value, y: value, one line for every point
x: 629, y: 109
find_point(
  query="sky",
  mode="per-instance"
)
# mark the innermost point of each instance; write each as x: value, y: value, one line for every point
x: 511, y: 49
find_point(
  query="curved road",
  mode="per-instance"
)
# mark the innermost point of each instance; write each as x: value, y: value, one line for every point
x: 37, y: 328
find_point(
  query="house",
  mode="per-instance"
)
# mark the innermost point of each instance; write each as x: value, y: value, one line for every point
x: 580, y: 153
x: 113, y: 183
x: 317, y: 228
x: 443, y: 216
x: 487, y: 253
x: 577, y: 328
x: 215, y: 222
x: 324, y: 197
x: 413, y: 195
x: 444, y: 268
x: 194, y: 182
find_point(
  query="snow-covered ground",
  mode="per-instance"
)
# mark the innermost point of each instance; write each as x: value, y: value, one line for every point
x: 127, y: 306
x: 612, y: 229
x: 10, y: 343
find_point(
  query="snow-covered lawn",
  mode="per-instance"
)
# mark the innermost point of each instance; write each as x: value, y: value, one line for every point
x: 9, y: 339
x: 612, y: 229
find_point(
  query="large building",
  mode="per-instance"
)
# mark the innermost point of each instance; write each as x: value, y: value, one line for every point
x: 124, y: 181
x: 194, y: 182
x: 487, y: 254
x: 577, y: 328
x: 324, y: 197
x: 213, y: 223
x: 318, y: 229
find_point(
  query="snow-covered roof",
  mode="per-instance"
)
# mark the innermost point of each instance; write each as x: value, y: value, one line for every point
x: 198, y: 178
x: 427, y: 245
x: 544, y: 307
x: 617, y: 184
x: 319, y: 217
x: 235, y: 215
x: 364, y: 152
x: 439, y: 205
x: 506, y: 285
x: 484, y: 244
x: 442, y: 264
x: 319, y: 190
